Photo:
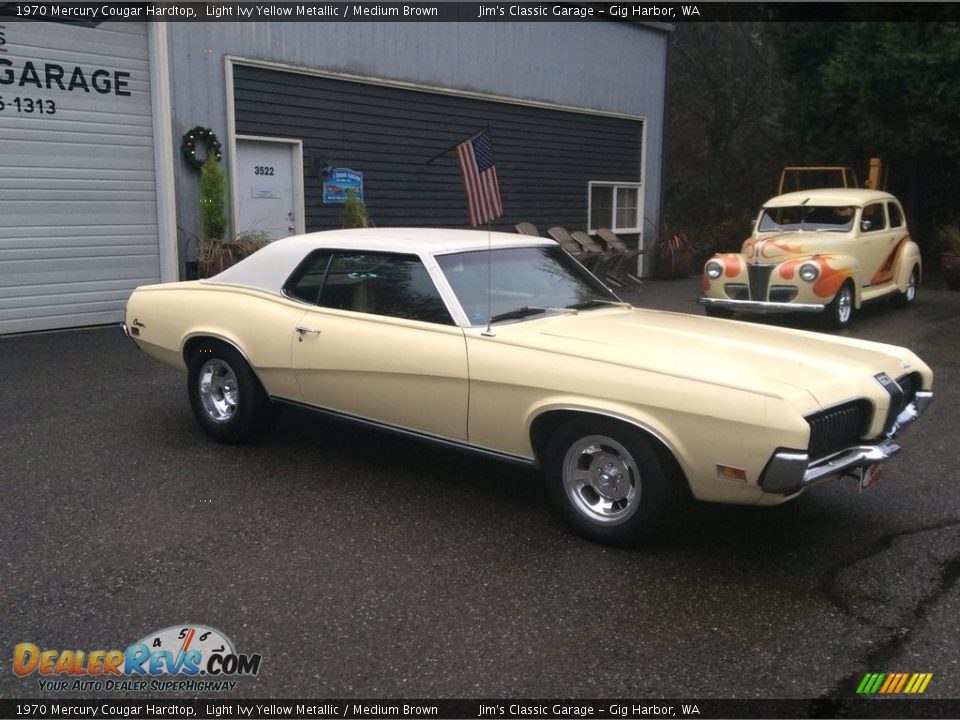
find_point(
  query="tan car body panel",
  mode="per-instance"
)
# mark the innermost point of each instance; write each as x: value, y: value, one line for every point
x: 711, y: 391
x: 404, y: 373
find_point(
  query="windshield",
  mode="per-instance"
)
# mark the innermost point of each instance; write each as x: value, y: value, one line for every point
x: 522, y: 282
x: 805, y: 217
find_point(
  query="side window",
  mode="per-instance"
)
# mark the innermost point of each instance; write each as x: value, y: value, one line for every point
x: 873, y: 218
x: 305, y: 282
x: 383, y: 284
x: 896, y: 217
x: 615, y: 205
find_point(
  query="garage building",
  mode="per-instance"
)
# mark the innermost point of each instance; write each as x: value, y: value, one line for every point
x: 96, y: 197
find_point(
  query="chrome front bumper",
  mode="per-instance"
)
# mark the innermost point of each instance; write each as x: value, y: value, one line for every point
x: 790, y: 471
x: 760, y: 305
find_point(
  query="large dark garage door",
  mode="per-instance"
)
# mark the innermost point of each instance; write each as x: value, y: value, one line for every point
x: 545, y: 157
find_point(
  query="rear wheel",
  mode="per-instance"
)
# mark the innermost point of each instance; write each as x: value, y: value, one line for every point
x: 225, y: 395
x: 906, y: 298
x: 840, y: 311
x: 606, y: 481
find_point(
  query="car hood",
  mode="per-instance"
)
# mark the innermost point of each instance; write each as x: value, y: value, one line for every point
x: 795, y: 365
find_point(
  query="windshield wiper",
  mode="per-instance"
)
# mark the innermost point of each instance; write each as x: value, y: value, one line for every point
x: 523, y: 312
x: 527, y: 311
x: 594, y: 302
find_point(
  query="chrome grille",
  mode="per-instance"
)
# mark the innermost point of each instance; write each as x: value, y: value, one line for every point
x: 909, y: 384
x: 839, y: 426
x: 759, y: 279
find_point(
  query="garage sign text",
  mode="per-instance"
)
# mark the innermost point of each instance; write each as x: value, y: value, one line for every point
x: 50, y: 75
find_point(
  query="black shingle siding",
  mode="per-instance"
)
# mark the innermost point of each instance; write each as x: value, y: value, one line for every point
x: 544, y: 157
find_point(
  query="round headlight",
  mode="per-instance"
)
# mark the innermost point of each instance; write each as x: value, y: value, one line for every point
x: 713, y: 269
x: 809, y: 272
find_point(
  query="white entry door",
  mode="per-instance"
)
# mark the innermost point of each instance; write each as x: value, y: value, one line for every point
x: 269, y: 187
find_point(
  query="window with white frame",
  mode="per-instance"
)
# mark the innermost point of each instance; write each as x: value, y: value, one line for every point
x: 616, y: 206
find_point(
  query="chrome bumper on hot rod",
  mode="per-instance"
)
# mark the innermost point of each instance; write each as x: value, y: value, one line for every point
x: 790, y: 471
x: 760, y: 305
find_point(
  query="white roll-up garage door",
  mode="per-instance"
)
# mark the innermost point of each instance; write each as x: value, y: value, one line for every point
x: 78, y: 210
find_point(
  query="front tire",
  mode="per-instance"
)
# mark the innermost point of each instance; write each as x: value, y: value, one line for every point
x: 226, y: 397
x: 841, y: 309
x: 606, y: 481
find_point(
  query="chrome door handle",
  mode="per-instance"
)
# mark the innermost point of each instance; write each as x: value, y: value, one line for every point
x: 301, y: 330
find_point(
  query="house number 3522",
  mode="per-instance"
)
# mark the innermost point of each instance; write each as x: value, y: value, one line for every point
x: 263, y: 170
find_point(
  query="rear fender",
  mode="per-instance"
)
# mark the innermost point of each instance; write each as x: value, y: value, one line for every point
x: 907, y: 259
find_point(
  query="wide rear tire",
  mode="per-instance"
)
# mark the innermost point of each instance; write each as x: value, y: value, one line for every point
x: 226, y: 397
x: 906, y: 298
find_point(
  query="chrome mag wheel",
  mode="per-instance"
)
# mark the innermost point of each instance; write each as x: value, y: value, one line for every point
x: 911, y: 292
x: 219, y: 390
x: 601, y: 479
x: 844, y: 305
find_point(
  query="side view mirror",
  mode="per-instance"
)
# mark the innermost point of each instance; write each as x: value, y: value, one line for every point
x: 865, y: 225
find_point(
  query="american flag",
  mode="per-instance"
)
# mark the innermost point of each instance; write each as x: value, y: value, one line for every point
x: 480, y: 179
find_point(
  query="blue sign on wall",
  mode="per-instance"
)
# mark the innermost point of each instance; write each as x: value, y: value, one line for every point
x: 340, y: 180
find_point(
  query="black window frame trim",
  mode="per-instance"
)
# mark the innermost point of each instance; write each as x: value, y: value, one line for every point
x: 284, y: 290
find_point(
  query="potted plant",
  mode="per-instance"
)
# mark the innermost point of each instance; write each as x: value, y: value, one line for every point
x: 215, y: 250
x: 355, y: 211
x: 948, y: 240
x: 673, y: 255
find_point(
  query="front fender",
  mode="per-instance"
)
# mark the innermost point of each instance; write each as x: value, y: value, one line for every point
x: 741, y: 430
x: 835, y: 270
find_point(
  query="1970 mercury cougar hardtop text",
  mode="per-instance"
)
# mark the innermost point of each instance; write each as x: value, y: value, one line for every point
x: 505, y: 345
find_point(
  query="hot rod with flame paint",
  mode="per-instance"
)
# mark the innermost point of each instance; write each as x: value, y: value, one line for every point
x: 825, y: 251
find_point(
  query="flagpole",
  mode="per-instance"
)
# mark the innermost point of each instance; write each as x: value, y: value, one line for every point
x: 489, y: 331
x: 457, y: 144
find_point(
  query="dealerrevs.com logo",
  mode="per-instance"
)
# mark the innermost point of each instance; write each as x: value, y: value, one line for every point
x: 180, y: 658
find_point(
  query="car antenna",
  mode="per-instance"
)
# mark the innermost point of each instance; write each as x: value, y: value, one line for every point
x: 803, y: 215
x: 489, y: 331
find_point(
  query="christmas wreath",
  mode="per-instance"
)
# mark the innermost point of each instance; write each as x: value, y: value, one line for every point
x: 192, y: 139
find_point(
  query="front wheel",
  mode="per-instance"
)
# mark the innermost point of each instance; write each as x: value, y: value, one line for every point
x: 225, y: 395
x: 840, y: 310
x: 606, y: 481
x: 906, y: 298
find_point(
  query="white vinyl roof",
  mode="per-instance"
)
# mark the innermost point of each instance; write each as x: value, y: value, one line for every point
x: 829, y: 197
x: 268, y: 268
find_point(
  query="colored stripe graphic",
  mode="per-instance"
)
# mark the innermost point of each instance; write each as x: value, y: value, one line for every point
x: 894, y: 683
x: 870, y: 683
x: 890, y: 682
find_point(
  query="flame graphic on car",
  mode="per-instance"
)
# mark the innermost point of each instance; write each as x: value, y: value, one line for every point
x: 885, y: 272
x: 829, y: 280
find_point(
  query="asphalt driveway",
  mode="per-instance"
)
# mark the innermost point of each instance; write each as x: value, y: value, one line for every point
x: 363, y: 565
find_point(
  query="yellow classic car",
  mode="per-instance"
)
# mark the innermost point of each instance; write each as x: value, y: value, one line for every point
x: 818, y: 251
x: 505, y: 345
